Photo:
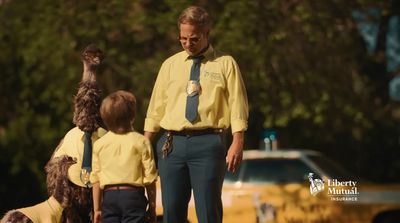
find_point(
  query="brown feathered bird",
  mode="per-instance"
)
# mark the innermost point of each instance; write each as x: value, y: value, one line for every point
x: 60, y: 192
x: 70, y: 201
x: 87, y: 118
x: 87, y: 101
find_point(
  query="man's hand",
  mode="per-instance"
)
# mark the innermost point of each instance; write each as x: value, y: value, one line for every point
x: 235, y: 152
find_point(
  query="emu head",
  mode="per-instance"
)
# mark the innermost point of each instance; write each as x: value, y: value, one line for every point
x: 58, y: 184
x: 92, y: 56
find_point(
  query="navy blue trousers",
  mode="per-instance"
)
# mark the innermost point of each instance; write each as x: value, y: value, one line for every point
x: 125, y: 206
x: 195, y: 163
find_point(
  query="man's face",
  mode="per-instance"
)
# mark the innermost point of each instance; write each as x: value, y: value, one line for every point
x: 193, y: 39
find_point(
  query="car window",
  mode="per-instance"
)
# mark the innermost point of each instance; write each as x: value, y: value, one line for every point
x: 334, y: 170
x: 272, y: 171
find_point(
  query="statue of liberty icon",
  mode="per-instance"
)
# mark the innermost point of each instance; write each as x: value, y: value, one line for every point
x: 316, y: 185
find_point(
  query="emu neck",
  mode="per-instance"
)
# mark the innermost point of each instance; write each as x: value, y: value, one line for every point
x: 89, y: 73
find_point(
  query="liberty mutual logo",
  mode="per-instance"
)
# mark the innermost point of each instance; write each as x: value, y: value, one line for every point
x: 336, y: 190
x: 316, y: 185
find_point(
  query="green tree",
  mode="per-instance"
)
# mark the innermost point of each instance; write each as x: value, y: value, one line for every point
x: 307, y: 74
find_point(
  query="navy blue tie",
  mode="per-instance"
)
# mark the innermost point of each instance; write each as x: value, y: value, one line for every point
x: 192, y: 100
x: 87, y: 158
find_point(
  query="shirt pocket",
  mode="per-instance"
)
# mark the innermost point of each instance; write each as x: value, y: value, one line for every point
x: 212, y: 83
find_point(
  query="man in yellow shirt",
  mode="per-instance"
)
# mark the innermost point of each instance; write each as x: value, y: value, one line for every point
x: 198, y: 94
x: 123, y: 165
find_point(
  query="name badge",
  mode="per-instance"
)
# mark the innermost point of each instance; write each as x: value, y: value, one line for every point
x: 193, y: 88
x: 85, y: 177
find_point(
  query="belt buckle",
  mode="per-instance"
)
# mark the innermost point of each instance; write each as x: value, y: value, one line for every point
x: 193, y: 88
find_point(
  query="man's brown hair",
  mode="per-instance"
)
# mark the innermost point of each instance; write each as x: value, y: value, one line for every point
x: 195, y: 15
x: 118, y: 111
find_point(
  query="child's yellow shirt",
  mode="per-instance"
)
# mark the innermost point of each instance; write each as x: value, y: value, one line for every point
x: 123, y: 159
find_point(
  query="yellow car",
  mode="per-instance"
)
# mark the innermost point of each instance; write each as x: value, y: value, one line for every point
x: 301, y: 187
x: 304, y: 186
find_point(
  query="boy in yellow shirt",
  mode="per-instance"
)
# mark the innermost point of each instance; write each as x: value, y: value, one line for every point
x: 123, y: 166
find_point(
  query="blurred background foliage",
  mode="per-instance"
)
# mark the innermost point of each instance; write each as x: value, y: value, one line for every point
x: 307, y: 69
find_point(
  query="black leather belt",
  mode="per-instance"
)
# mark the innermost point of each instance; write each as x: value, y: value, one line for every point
x: 167, y: 147
x: 196, y: 132
x: 122, y: 187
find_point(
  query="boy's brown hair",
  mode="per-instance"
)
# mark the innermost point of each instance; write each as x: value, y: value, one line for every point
x: 118, y: 111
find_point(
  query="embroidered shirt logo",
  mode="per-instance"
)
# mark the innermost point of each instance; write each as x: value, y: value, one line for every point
x: 213, y: 76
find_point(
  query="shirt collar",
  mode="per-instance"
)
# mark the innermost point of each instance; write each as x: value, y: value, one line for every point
x: 55, y: 207
x: 209, y: 54
x: 95, y: 134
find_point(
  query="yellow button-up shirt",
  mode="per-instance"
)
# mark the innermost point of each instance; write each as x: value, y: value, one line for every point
x: 123, y: 159
x: 72, y: 145
x: 222, y: 101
